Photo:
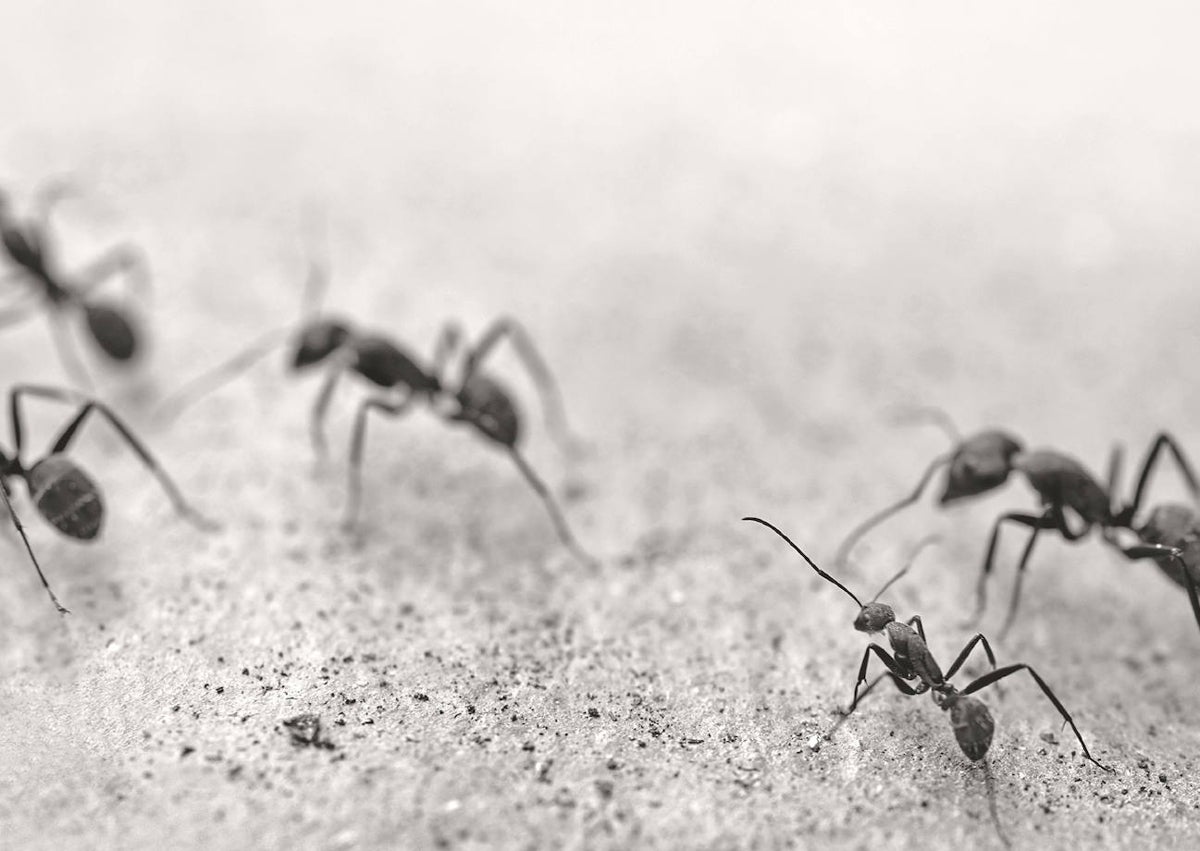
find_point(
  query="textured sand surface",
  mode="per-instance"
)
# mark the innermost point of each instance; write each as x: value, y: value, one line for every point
x: 741, y: 238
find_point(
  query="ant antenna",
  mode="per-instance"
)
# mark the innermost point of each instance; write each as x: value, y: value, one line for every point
x: 912, y: 557
x: 221, y: 374
x: 811, y: 563
x: 912, y: 414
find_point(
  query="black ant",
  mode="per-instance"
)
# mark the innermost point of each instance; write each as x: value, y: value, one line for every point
x: 28, y: 244
x: 476, y: 399
x: 60, y: 489
x: 912, y: 661
x: 983, y: 463
x: 1064, y: 484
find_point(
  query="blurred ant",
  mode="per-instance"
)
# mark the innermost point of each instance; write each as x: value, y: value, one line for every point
x: 983, y: 463
x: 28, y: 244
x: 914, y: 662
x: 977, y: 464
x: 1064, y: 484
x: 476, y: 399
x: 61, y: 491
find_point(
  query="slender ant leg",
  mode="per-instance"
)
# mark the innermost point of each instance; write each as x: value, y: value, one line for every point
x: 68, y: 434
x: 1064, y: 529
x: 1036, y: 522
x: 320, y: 410
x: 901, y: 686
x: 384, y: 406
x: 892, y: 665
x: 12, y: 513
x: 556, y: 516
x: 966, y: 651
x: 874, y: 520
x: 552, y: 402
x: 1158, y: 551
x: 1000, y: 673
x: 1164, y: 441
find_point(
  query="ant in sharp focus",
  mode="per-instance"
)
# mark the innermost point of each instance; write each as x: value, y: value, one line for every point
x: 29, y: 245
x: 60, y: 489
x: 476, y: 399
x: 911, y: 661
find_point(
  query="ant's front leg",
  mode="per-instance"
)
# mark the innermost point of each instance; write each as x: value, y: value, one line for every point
x: 893, y: 666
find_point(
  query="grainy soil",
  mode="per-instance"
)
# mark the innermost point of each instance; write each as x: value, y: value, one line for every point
x: 743, y: 241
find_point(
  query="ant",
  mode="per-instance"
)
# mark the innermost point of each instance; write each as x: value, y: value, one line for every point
x: 1064, y: 483
x: 983, y: 462
x: 60, y: 489
x: 29, y: 246
x: 476, y: 399
x: 912, y: 661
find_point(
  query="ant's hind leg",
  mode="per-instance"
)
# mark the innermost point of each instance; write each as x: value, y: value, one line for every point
x: 1035, y: 522
x: 1000, y: 673
x: 1164, y: 441
x: 535, y: 365
x: 71, y: 431
x: 966, y: 651
x: 556, y: 515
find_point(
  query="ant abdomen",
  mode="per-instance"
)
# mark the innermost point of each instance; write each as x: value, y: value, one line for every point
x: 981, y: 463
x: 488, y: 406
x: 111, y: 330
x: 973, y: 726
x: 66, y: 496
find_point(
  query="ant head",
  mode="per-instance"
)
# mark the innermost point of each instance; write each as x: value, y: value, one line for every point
x: 972, y: 722
x: 66, y: 496
x: 874, y: 617
x: 981, y: 463
x: 112, y: 331
x: 318, y: 340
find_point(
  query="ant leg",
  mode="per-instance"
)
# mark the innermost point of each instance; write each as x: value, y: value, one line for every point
x: 874, y: 520
x: 560, y: 523
x: 218, y: 376
x: 1034, y: 521
x: 552, y: 403
x: 1000, y: 673
x: 1116, y: 463
x: 316, y: 427
x: 29, y: 549
x: 67, y: 353
x: 124, y: 259
x: 1164, y: 441
x: 901, y: 686
x: 1158, y: 551
x: 915, y: 620
x: 892, y: 665
x: 392, y: 409
x: 1061, y: 525
x: 68, y: 434
x: 447, y: 343
x: 966, y: 651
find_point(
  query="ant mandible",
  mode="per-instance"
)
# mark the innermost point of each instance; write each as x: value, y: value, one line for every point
x: 911, y: 660
x: 28, y: 244
x: 477, y: 399
x: 60, y: 489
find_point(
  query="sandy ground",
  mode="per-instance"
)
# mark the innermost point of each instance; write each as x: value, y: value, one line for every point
x: 741, y: 238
